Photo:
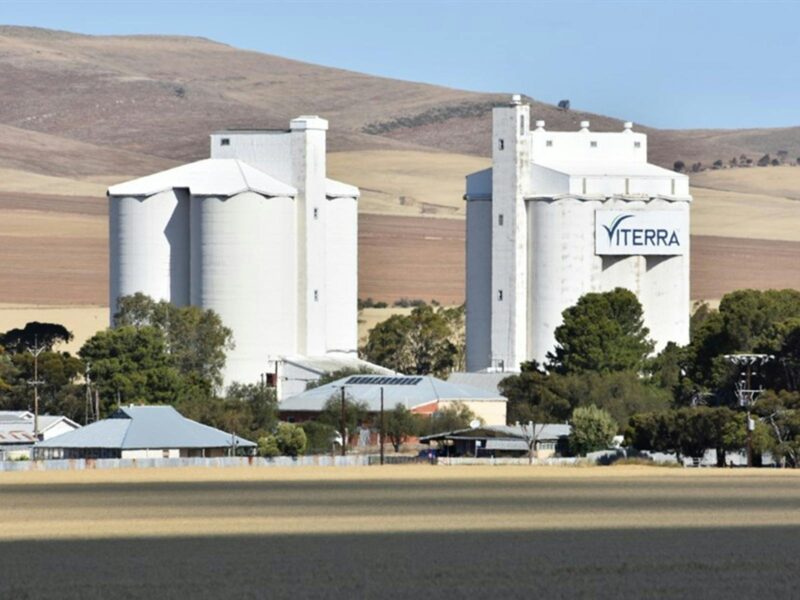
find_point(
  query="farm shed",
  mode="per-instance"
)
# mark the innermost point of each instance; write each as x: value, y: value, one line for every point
x: 420, y: 394
x: 505, y: 440
x: 18, y: 431
x: 143, y: 432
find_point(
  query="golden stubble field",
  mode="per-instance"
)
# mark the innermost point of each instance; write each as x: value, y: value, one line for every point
x: 401, y: 531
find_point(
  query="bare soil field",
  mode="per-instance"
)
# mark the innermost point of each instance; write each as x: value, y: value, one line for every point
x: 400, y: 532
x: 412, y: 257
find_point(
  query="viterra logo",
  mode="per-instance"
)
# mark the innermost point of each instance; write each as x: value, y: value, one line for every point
x: 633, y: 236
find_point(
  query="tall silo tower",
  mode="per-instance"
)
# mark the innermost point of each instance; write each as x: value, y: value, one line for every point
x: 588, y: 213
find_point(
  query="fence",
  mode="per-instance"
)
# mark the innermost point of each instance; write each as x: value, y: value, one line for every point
x: 354, y: 460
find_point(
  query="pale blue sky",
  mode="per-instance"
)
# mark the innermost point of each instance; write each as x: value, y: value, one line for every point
x: 667, y: 64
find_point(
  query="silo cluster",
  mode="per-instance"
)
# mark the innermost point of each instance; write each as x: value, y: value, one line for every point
x: 257, y: 233
x: 562, y: 214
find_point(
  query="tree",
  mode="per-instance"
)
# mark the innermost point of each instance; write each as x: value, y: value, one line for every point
x: 428, y: 341
x: 291, y: 439
x: 196, y: 340
x: 249, y: 410
x: 603, y: 332
x: 400, y: 424
x: 764, y: 161
x: 131, y: 365
x: 592, y: 429
x: 717, y: 164
x: 43, y: 335
x: 355, y: 414
x: 563, y: 104
x: 268, y: 446
x: 452, y: 417
x: 679, y: 166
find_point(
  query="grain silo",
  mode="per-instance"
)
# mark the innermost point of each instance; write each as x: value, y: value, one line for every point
x: 561, y: 214
x: 258, y: 234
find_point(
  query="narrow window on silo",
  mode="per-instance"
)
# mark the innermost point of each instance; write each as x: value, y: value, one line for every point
x: 316, y: 295
x: 637, y: 144
x: 548, y: 143
x: 593, y: 144
x: 627, y: 186
x: 316, y: 213
x: 500, y: 295
x: 500, y: 220
x: 522, y: 124
x: 225, y: 142
x: 500, y: 144
x: 673, y: 186
x: 584, y: 185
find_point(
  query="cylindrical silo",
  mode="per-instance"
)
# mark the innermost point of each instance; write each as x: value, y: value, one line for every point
x: 341, y: 275
x: 479, y: 285
x: 243, y: 256
x: 149, y: 246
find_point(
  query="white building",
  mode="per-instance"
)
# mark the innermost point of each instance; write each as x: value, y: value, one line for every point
x: 561, y: 214
x: 21, y: 429
x: 257, y: 233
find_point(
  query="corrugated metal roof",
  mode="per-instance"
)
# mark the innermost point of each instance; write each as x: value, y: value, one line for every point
x: 208, y: 177
x: 488, y: 381
x: 428, y: 390
x: 145, y: 427
x: 600, y: 168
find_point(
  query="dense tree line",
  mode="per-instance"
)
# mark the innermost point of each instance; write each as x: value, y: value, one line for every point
x: 684, y: 399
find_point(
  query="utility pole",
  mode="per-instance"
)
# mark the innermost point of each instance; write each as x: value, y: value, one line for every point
x: 382, y: 426
x: 745, y: 392
x: 344, y: 426
x: 36, y: 351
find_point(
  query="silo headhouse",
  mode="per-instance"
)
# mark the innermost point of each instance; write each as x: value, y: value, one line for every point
x: 561, y: 214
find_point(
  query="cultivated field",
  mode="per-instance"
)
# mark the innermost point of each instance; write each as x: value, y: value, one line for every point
x: 401, y: 532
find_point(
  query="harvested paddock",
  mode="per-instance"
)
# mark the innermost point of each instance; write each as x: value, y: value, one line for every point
x: 400, y: 531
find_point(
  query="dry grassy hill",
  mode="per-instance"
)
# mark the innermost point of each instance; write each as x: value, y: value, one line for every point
x: 80, y: 112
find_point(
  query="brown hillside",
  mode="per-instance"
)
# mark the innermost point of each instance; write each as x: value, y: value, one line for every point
x: 161, y: 95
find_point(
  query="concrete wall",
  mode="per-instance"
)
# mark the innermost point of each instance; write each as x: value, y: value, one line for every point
x: 341, y: 275
x: 479, y: 285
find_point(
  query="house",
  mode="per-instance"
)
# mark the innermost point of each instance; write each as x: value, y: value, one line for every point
x: 420, y: 394
x: 18, y: 435
x: 143, y: 432
x: 545, y: 439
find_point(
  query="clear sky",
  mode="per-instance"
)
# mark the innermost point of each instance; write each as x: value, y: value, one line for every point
x: 666, y: 64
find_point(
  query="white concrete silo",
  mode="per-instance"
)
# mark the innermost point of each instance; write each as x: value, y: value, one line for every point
x: 149, y: 244
x: 243, y: 268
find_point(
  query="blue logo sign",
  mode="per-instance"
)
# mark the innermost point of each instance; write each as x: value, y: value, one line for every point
x: 639, y: 236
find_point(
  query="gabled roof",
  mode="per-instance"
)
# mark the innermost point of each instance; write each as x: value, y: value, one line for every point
x: 410, y: 391
x: 208, y: 177
x: 17, y: 426
x: 145, y: 427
